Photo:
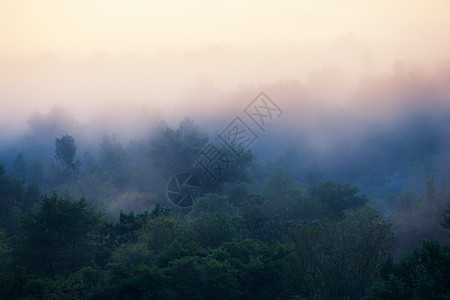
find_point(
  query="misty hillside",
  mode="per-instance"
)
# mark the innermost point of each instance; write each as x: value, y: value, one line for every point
x: 314, y: 205
x: 224, y: 149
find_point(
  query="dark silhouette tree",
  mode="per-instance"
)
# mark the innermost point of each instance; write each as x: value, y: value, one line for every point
x: 60, y: 236
x: 19, y: 165
x: 422, y: 274
x: 14, y: 193
x: 67, y: 168
x: 173, y: 151
x: 65, y: 151
x: 336, y: 197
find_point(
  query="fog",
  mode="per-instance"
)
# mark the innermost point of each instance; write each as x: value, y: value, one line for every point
x: 342, y: 114
x: 224, y: 149
x: 107, y: 62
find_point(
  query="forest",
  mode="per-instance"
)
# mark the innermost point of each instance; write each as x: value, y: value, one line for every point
x: 90, y: 216
x: 276, y: 149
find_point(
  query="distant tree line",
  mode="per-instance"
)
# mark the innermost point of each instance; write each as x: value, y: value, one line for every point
x: 98, y: 226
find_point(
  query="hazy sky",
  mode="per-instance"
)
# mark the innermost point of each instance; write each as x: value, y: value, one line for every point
x: 92, y: 55
x: 33, y: 27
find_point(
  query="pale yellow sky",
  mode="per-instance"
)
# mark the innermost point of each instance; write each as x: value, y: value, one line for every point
x: 167, y: 55
x: 77, y: 27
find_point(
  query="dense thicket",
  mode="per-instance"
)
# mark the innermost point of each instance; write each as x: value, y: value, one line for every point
x: 99, y: 226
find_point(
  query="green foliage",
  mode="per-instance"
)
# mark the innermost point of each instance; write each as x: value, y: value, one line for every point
x: 4, y: 250
x: 446, y: 215
x: 119, y: 238
x: 136, y: 201
x: 159, y: 255
x: 175, y: 150
x: 420, y: 216
x: 36, y: 174
x: 337, y: 260
x: 238, y: 193
x: 211, y: 204
x: 238, y: 170
x: 241, y: 240
x: 129, y: 224
x: 131, y: 255
x: 422, y: 274
x: 114, y: 162
x: 15, y: 194
x: 58, y: 175
x: 336, y: 197
x: 13, y: 283
x: 283, y: 195
x: 255, y: 222
x: 65, y: 150
x: 66, y: 169
x: 212, y: 230
x: 143, y: 282
x: 236, y: 270
x: 19, y: 165
x: 161, y: 231
x: 82, y: 284
x: 60, y: 236
x: 261, y: 269
x: 99, y: 193
x: 196, y: 277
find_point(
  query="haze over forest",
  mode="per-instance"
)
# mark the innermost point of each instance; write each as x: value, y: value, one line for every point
x: 107, y: 101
